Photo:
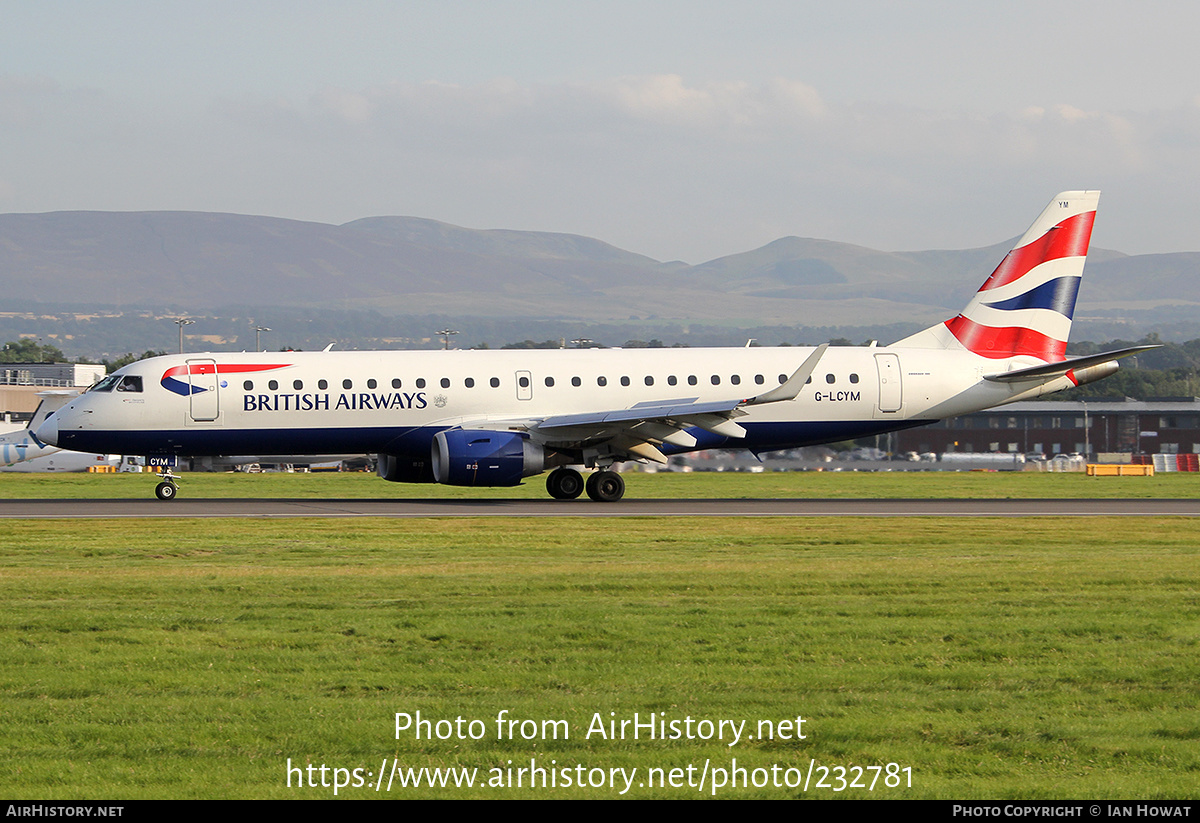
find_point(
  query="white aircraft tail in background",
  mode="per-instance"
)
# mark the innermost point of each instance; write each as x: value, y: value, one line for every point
x: 493, y: 418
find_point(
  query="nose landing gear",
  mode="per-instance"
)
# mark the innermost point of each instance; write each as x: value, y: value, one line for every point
x: 168, y: 488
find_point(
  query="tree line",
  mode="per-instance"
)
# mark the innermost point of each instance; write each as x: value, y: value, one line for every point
x: 31, y: 350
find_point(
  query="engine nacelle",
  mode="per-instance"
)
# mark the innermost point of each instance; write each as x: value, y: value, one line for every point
x: 404, y: 469
x: 468, y: 457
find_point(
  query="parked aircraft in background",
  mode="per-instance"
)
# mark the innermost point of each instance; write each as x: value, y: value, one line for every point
x: 62, y: 460
x: 20, y: 445
x: 21, y: 451
x: 492, y: 418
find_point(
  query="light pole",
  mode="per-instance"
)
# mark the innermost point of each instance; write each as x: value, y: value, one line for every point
x: 445, y: 333
x: 181, y: 322
x: 1087, y: 434
x: 258, y: 330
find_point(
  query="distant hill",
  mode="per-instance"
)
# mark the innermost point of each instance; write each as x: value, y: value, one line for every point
x: 500, y: 242
x: 408, y: 265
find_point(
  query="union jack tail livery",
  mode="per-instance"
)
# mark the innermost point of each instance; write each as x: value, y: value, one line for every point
x: 1024, y: 309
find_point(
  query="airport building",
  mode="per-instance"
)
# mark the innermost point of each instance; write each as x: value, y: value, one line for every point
x: 20, y: 383
x: 1099, y: 429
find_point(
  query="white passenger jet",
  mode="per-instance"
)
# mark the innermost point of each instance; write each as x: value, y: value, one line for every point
x: 492, y: 418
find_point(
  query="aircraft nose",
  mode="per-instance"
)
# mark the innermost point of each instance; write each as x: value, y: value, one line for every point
x: 48, y: 431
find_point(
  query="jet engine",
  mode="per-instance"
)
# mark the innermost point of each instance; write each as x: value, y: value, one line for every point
x: 468, y: 457
x: 403, y: 469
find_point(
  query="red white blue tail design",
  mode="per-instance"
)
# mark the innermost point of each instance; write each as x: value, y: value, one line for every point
x: 1025, y: 307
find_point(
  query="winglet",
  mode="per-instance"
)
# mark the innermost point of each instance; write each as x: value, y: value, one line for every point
x: 794, y: 384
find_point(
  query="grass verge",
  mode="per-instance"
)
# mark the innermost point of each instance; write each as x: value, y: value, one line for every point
x: 822, y: 485
x: 1055, y: 659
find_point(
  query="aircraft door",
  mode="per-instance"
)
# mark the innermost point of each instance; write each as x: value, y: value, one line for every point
x: 524, y: 385
x: 204, y: 397
x: 891, y: 396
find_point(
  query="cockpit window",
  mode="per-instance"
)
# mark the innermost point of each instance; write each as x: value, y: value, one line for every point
x: 106, y: 384
x: 130, y: 383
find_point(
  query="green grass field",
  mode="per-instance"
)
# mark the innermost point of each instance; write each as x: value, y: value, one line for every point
x: 1056, y: 658
x: 822, y: 485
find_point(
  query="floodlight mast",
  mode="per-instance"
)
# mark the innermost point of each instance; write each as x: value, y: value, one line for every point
x: 181, y: 322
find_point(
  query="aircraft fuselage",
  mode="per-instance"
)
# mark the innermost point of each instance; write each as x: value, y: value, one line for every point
x: 395, y: 401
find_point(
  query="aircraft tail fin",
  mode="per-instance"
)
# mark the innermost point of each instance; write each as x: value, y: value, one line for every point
x: 1025, y: 307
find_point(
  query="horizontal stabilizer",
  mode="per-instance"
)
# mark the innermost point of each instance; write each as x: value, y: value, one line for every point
x: 1063, y: 366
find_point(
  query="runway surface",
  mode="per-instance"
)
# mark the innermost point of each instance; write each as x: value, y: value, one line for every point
x: 151, y: 508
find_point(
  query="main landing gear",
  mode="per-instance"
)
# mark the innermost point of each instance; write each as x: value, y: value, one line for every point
x: 564, y: 484
x: 603, y: 486
x: 606, y: 486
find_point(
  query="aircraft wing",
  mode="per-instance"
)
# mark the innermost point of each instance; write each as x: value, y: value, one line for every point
x: 637, y: 431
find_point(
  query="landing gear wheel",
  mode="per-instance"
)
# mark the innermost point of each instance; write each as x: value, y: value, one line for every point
x: 166, y: 491
x: 564, y: 484
x: 606, y: 487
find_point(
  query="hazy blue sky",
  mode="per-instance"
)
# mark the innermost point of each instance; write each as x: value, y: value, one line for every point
x: 682, y: 130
